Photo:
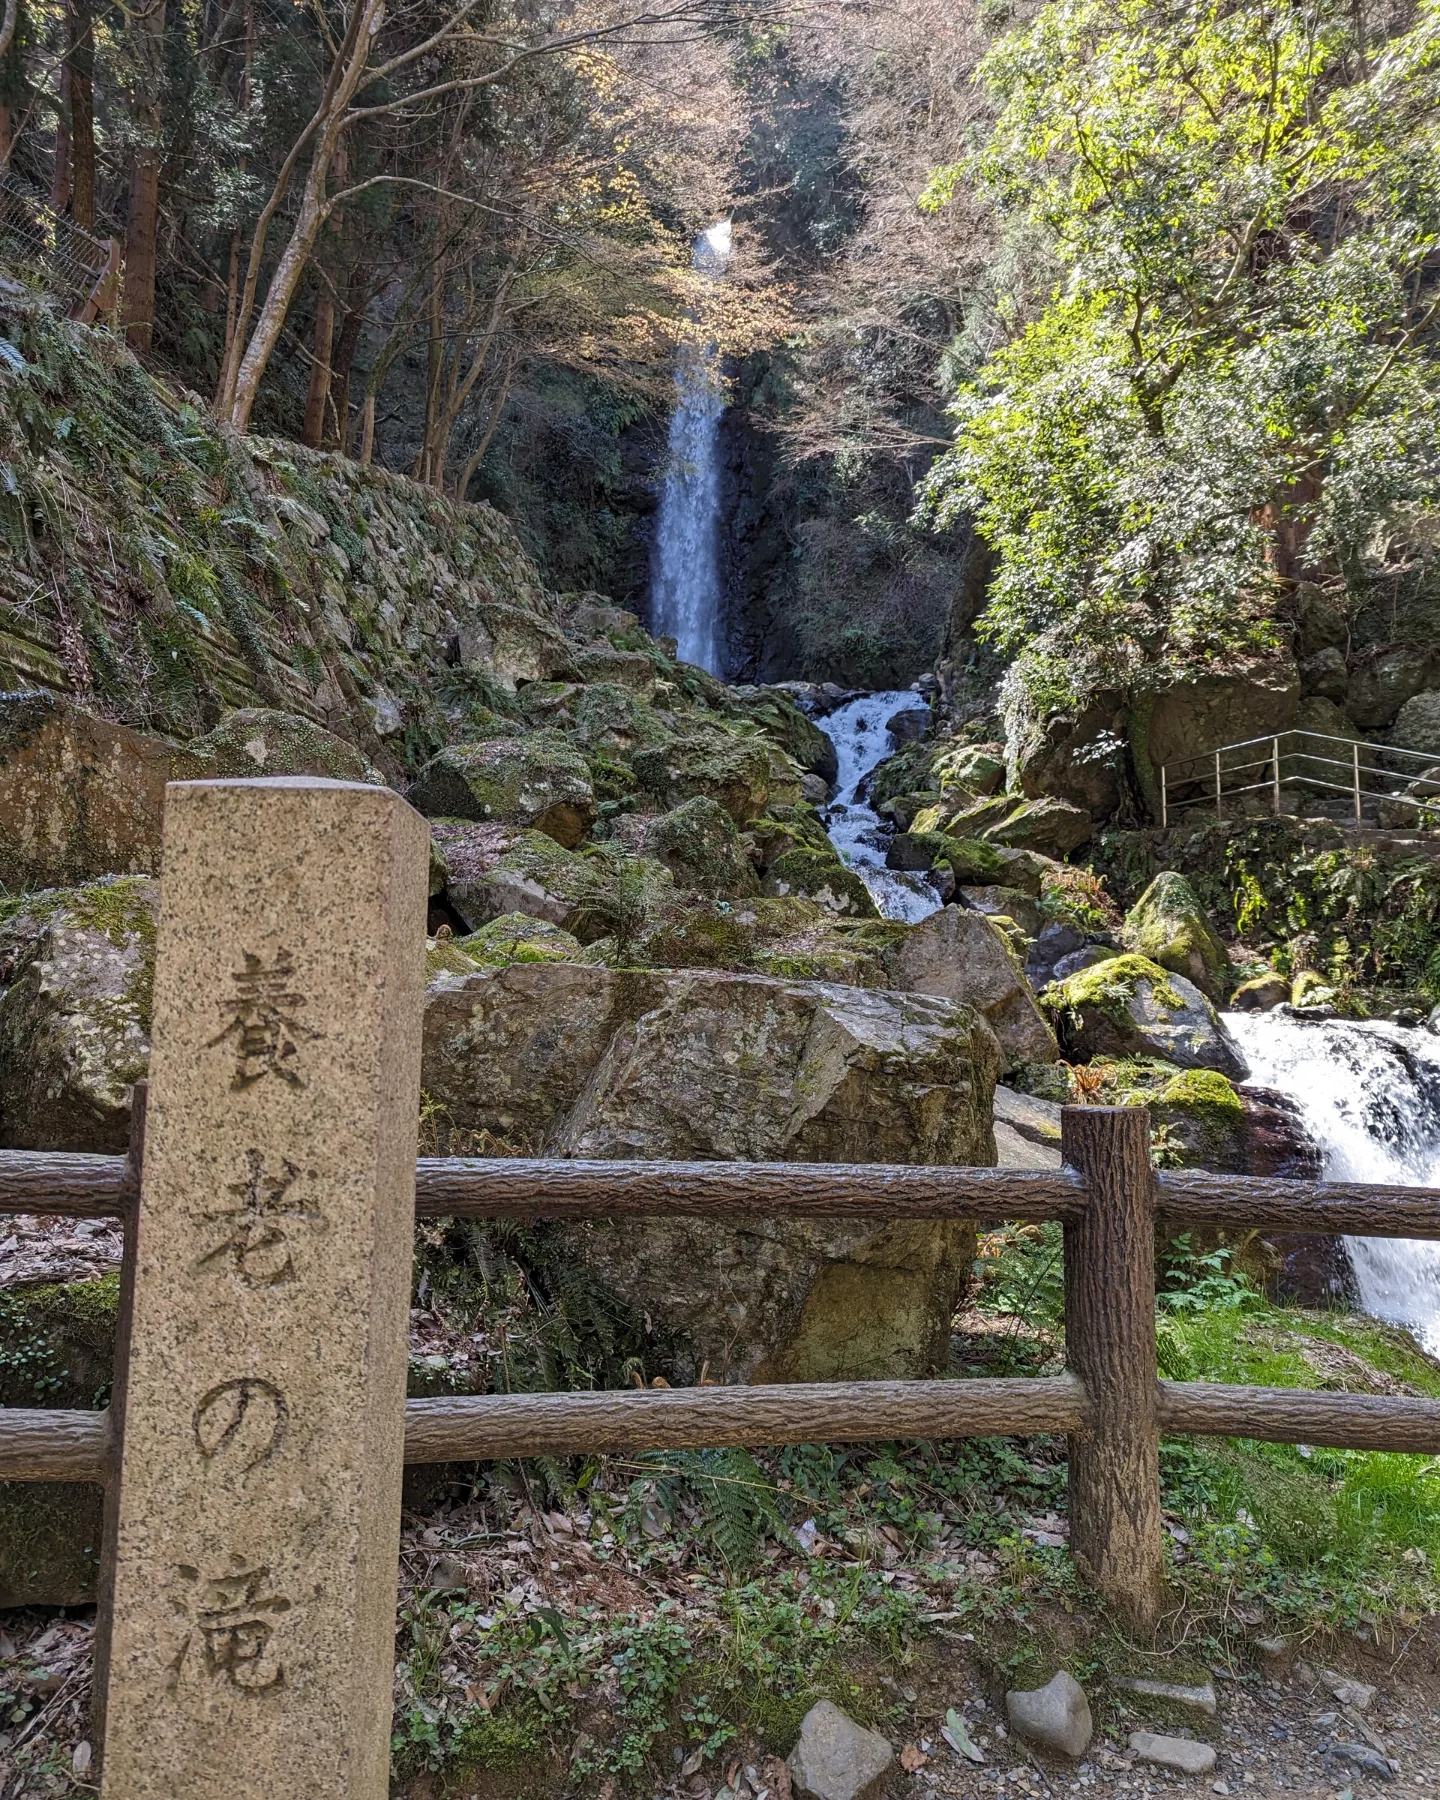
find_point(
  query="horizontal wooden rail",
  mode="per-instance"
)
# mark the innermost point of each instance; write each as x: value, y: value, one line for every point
x: 42, y: 1445
x: 555, y: 1188
x: 1301, y: 1416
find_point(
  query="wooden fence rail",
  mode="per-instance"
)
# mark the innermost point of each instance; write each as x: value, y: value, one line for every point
x: 96, y: 1187
x: 239, y: 1439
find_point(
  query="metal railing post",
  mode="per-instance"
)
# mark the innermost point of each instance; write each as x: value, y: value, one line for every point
x: 1275, y: 752
x: 1164, y: 801
x: 1219, y: 798
x: 1355, y: 753
x: 1110, y: 1346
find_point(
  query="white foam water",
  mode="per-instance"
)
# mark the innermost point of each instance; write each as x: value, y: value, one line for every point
x: 685, y: 601
x: 1369, y: 1094
x: 861, y: 740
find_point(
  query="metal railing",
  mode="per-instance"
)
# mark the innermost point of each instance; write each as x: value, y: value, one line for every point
x: 1367, y: 775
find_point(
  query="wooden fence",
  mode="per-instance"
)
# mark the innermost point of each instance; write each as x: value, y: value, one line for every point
x: 1109, y: 1404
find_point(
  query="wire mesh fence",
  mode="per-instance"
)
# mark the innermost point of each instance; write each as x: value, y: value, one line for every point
x: 44, y: 248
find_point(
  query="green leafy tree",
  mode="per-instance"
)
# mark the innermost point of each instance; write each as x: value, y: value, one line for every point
x: 1232, y: 387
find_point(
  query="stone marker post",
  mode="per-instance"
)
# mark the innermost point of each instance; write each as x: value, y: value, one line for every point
x: 253, y: 1609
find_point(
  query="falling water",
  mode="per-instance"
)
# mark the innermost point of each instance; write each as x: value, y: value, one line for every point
x: 1370, y: 1096
x: 858, y: 733
x: 686, y: 600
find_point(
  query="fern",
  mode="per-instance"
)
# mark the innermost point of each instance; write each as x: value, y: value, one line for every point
x: 736, y: 1504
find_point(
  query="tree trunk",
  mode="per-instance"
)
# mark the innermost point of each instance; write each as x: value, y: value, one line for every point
x: 1137, y: 733
x: 81, y: 66
x: 319, y: 391
x: 142, y: 220
x: 367, y: 428
x: 60, y: 176
x: 357, y: 295
x: 310, y: 216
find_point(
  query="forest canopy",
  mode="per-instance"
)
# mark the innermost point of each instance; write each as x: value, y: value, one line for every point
x: 1231, y: 388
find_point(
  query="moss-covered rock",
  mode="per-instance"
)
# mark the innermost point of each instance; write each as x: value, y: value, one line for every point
x: 824, y: 879
x: 539, y: 780
x: 1201, y: 1111
x: 516, y: 937
x: 1130, y: 1006
x: 1262, y: 994
x: 906, y: 772
x: 1050, y: 825
x: 532, y: 874
x: 1168, y: 924
x: 698, y: 843
x: 77, y: 969
x: 256, y: 741
x: 904, y: 809
x: 918, y: 851
x: 782, y: 828
x: 1006, y: 902
x: 782, y: 721
x: 1311, y: 989
x: 963, y: 817
x: 736, y: 771
x: 975, y: 769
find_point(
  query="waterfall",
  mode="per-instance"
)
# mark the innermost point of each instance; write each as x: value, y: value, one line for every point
x: 1370, y: 1096
x: 685, y: 603
x: 857, y: 730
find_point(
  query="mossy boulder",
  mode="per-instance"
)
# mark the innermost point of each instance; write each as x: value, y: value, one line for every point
x: 1311, y: 989
x: 964, y: 817
x: 699, y: 844
x: 969, y: 769
x: 77, y: 969
x: 1262, y: 994
x: 1204, y: 1115
x: 527, y: 872
x: 823, y: 878
x: 918, y: 851
x: 906, y: 772
x: 256, y: 742
x: 1129, y: 1006
x: 539, y: 781
x: 782, y: 828
x: 739, y: 772
x: 1008, y: 903
x: 1168, y: 924
x: 57, y: 1346
x: 516, y: 937
x: 973, y: 862
x: 782, y: 721
x: 609, y: 718
x: 904, y: 809
x: 1050, y: 825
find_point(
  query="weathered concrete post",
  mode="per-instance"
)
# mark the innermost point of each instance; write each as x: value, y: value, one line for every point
x: 1110, y: 1345
x: 253, y: 1607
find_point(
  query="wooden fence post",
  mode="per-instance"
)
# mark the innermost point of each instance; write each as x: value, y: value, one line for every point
x: 252, y: 1611
x: 1110, y: 1346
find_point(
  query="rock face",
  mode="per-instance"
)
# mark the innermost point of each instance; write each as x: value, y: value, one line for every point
x: 1418, y: 725
x: 79, y: 796
x: 537, y: 781
x: 1202, y: 715
x: 819, y: 875
x: 595, y: 1062
x: 1168, y: 924
x: 1383, y: 681
x: 836, y: 1759
x: 1129, y: 1006
x: 1051, y: 825
x: 958, y: 955
x: 1056, y: 1716
x: 76, y: 967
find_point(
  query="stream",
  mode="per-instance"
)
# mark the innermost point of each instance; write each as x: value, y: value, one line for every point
x: 857, y: 730
x: 1370, y: 1096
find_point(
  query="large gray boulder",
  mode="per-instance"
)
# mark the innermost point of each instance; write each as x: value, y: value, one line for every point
x: 1418, y: 725
x: 76, y: 968
x: 959, y: 955
x: 1130, y: 1006
x: 594, y: 1062
x: 1382, y: 682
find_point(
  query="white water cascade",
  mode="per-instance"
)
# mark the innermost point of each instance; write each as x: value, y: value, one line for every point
x: 1370, y: 1097
x: 685, y: 602
x: 857, y: 730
